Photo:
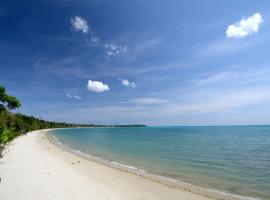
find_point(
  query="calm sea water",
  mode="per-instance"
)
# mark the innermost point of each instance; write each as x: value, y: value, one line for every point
x: 233, y: 159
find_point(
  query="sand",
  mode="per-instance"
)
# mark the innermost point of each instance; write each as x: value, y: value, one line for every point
x: 35, y: 169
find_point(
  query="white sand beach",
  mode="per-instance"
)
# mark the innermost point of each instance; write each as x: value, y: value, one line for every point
x: 35, y: 169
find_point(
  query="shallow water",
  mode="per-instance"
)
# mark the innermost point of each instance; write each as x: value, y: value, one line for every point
x: 233, y: 159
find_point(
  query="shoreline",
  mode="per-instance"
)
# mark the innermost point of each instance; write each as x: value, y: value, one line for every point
x: 167, y: 181
x: 35, y: 167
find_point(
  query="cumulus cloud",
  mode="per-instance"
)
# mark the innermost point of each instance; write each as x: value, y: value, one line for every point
x: 79, y: 24
x: 114, y: 50
x: 245, y: 27
x: 73, y: 96
x: 97, y: 86
x: 127, y: 83
x: 148, y: 101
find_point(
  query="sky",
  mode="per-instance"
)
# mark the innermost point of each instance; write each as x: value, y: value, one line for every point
x: 148, y: 62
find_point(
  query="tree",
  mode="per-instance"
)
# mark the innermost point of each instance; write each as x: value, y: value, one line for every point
x: 7, y: 101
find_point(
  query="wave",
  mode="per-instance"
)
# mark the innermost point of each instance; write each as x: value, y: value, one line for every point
x: 170, y: 182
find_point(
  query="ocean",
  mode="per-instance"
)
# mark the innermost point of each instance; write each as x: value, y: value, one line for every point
x: 227, y: 159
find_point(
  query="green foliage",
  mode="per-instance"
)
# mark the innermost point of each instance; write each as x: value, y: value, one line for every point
x: 7, y: 135
x: 13, y: 125
x: 7, y: 101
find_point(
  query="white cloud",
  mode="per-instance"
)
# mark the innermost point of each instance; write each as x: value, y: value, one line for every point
x: 73, y: 96
x: 97, y: 86
x: 114, y: 50
x: 245, y: 27
x: 79, y: 24
x: 127, y: 83
x: 148, y: 101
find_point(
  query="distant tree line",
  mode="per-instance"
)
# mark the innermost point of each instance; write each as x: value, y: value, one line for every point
x: 13, y: 125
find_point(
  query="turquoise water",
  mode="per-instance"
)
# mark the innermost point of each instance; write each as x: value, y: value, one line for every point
x: 233, y: 159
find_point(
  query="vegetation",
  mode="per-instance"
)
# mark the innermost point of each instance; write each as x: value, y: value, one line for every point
x: 7, y: 101
x: 13, y: 125
x: 6, y: 123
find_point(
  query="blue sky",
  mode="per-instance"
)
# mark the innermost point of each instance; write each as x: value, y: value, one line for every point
x: 150, y: 62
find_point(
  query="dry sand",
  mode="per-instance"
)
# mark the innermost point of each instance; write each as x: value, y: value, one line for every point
x: 35, y: 169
